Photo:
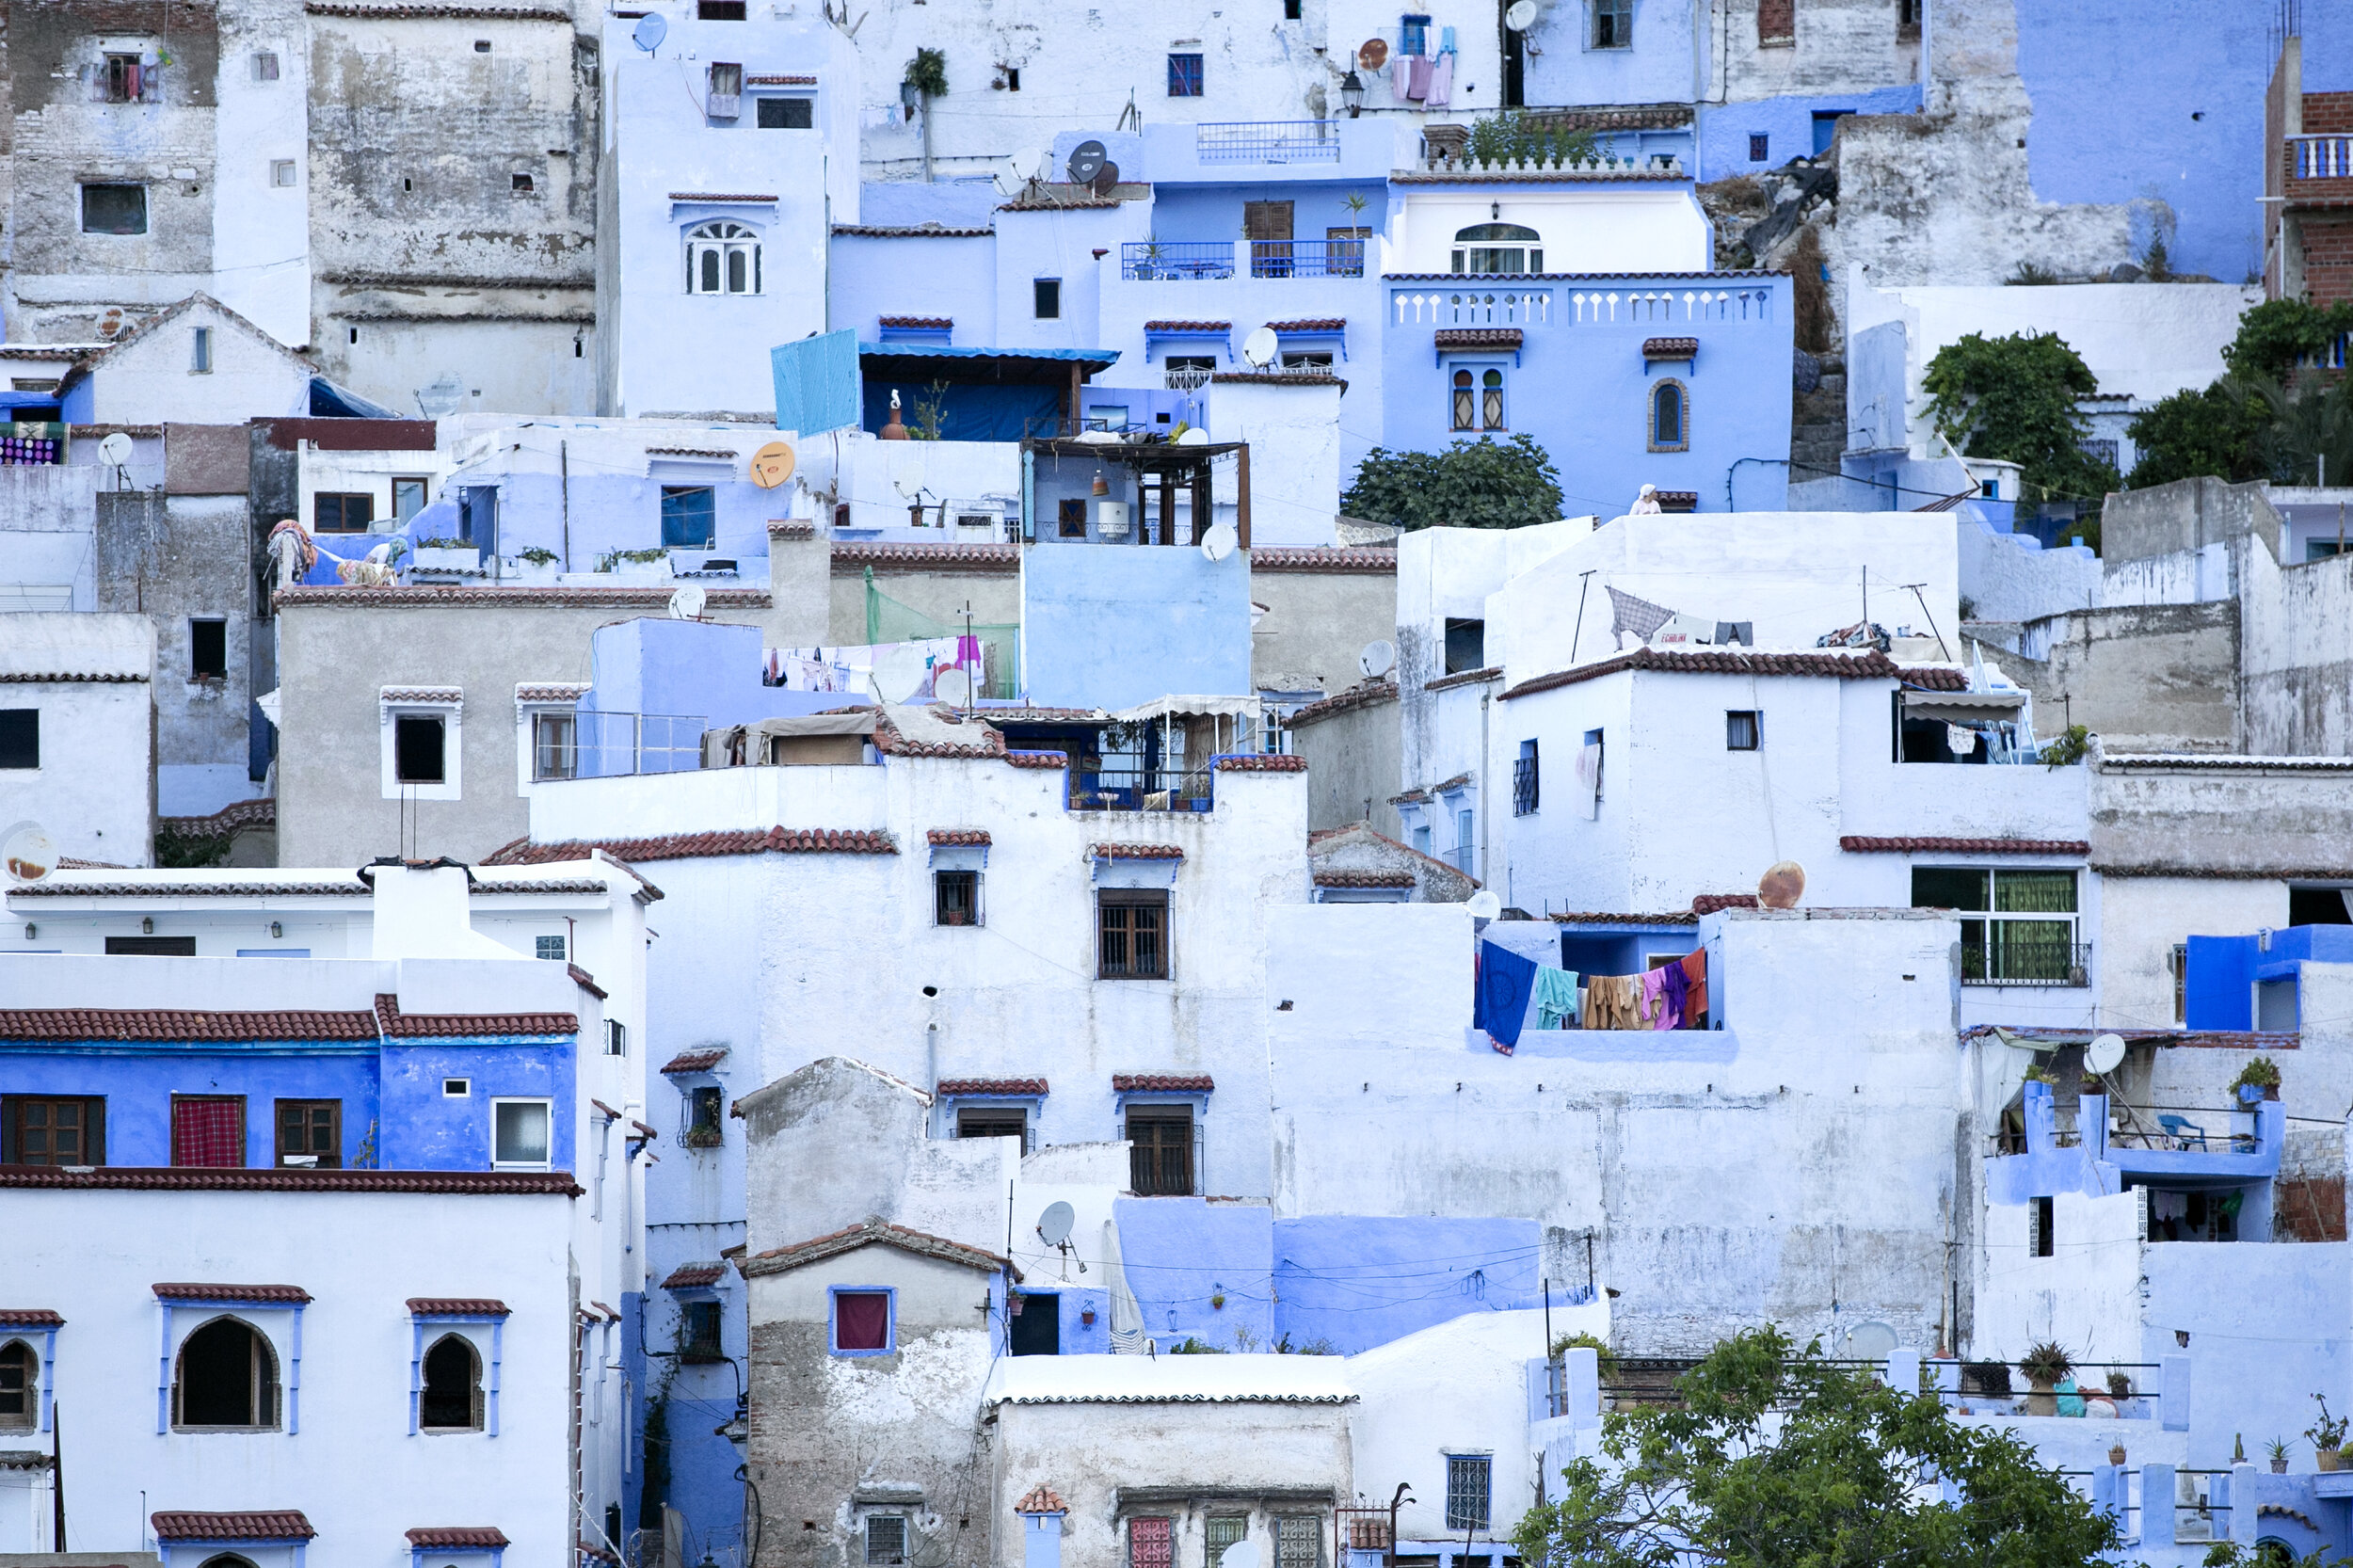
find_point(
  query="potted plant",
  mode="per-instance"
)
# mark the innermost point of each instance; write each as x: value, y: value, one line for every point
x: 1086, y: 1317
x: 445, y: 555
x: 536, y: 565
x: 2326, y: 1435
x: 2276, y: 1451
x: 2044, y: 1366
x: 2116, y: 1454
x: 1217, y: 1301
x: 2257, y: 1080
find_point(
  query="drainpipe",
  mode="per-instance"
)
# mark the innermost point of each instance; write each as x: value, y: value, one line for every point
x: 1486, y: 790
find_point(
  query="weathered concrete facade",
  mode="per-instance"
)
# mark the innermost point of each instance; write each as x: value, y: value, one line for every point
x: 1349, y: 740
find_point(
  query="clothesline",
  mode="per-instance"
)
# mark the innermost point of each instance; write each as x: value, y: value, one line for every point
x: 1508, y: 987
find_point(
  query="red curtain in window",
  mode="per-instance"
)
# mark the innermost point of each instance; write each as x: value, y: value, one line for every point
x: 861, y: 1321
x: 208, y: 1133
x: 1151, y: 1544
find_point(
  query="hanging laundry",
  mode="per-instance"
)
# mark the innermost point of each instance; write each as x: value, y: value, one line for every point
x: 1638, y: 616
x: 1677, y: 990
x: 1610, y: 1001
x: 1442, y: 78
x: 1694, y: 967
x: 1960, y: 740
x: 1650, y: 1002
x: 1417, y: 78
x: 1506, y: 981
x: 1556, y: 998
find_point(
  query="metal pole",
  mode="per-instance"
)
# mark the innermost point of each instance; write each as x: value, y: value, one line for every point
x: 564, y: 468
x: 56, y: 1474
x: 1916, y: 588
x: 1584, y: 583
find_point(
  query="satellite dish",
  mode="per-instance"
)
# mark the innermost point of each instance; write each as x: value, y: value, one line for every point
x: 28, y: 852
x: 1241, y: 1554
x: 1485, y: 906
x: 1377, y: 660
x: 1194, y: 436
x: 1259, y: 346
x: 1086, y: 161
x: 1373, y: 53
x: 772, y: 465
x: 687, y: 603
x: 1521, y: 17
x: 1105, y: 178
x: 444, y: 394
x: 1781, y: 885
x: 953, y: 686
x: 1054, y: 1227
x: 649, y: 32
x: 115, y: 449
x: 2104, y: 1055
x: 899, y: 675
x: 1220, y: 541
x: 1028, y: 164
x: 1870, y: 1342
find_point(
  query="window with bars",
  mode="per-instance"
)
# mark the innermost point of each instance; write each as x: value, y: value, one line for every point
x: 886, y: 1539
x: 20, y: 1384
x: 2017, y: 927
x: 1160, y: 1161
x: 1221, y: 1531
x: 1299, y: 1543
x: 1670, y: 418
x: 1132, y: 934
x: 698, y: 1331
x: 1524, y: 780
x: 955, y: 898
x: 1152, y: 1543
x: 1466, y: 1490
x: 1184, y: 75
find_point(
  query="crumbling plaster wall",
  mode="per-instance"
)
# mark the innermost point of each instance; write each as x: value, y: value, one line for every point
x: 2146, y: 677
x: 1841, y: 46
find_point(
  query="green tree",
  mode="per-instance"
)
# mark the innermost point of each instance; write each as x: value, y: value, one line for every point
x: 1783, y: 1460
x: 2211, y: 431
x: 1472, y: 484
x: 2272, y: 336
x: 2015, y: 398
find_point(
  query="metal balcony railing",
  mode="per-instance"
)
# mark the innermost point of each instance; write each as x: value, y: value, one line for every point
x: 2321, y: 157
x: 1267, y: 141
x: 1188, y: 377
x: 1307, y: 258
x: 1178, y: 259
x: 2065, y: 963
x: 614, y: 745
x: 1125, y: 790
x: 1193, y: 259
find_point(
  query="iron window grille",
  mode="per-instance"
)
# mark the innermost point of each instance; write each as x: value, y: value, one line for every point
x: 1466, y: 1491
x: 1525, y: 779
x: 1132, y: 934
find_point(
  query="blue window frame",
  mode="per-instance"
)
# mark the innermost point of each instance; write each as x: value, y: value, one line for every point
x: 1468, y: 1478
x: 1669, y: 417
x: 689, y: 516
x: 857, y: 1324
x: 1759, y: 144
x: 1412, y: 34
x: 1184, y: 75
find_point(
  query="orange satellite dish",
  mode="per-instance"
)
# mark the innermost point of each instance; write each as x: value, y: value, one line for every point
x: 772, y: 465
x: 1373, y: 53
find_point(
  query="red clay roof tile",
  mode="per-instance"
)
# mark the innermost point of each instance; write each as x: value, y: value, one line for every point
x: 1138, y: 852
x: 165, y: 1178
x: 1259, y: 761
x: 458, y: 1537
x: 953, y: 1087
x: 442, y: 1025
x: 129, y: 1024
x: 1321, y: 558
x: 1149, y: 1083
x: 30, y: 1317
x: 695, y: 846
x: 957, y: 836
x: 695, y: 1061
x: 272, y: 1523
x: 780, y: 1259
x: 457, y: 1306
x: 280, y: 1295
x: 694, y: 1277
x: 1843, y: 666
x: 1343, y: 877
x: 1855, y: 845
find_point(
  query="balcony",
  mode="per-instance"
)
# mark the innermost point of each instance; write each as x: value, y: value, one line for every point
x: 2027, y: 963
x: 1101, y: 789
x: 1267, y: 141
x: 2320, y: 157
x: 618, y: 746
x: 1147, y: 261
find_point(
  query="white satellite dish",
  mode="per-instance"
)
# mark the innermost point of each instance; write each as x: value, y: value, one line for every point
x: 1485, y: 906
x: 1028, y: 164
x: 687, y: 603
x: 2104, y: 1055
x: 1521, y: 17
x: 1870, y: 1342
x: 953, y: 686
x: 650, y: 30
x: 1054, y: 1224
x: 28, y: 852
x: 1193, y: 436
x: 1258, y: 349
x: 1220, y: 541
x: 1241, y: 1554
x: 899, y: 675
x: 115, y: 449
x: 1377, y: 660
x: 444, y: 394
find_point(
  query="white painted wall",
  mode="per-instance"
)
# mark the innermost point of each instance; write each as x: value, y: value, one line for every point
x: 2086, y: 1295
x: 261, y: 231
x: 95, y: 789
x: 1586, y: 228
x: 1294, y: 437
x: 152, y: 379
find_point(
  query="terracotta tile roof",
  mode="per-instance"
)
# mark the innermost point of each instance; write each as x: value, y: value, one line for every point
x: 1296, y: 559
x: 1677, y: 501
x: 276, y: 1295
x: 1152, y: 1083
x: 129, y: 1024
x: 1039, y: 758
x: 1602, y: 916
x: 1344, y: 877
x: 1464, y: 677
x: 1362, y: 695
x: 519, y: 599
x: 785, y: 528
x: 1041, y: 1499
x: 30, y: 1459
x: 926, y: 323
x: 35, y: 678
x: 585, y: 980
x: 421, y: 694
x: 791, y: 80
x: 720, y: 195
x: 2212, y: 1039
x: 1188, y: 326
x: 725, y: 453
x: 1854, y: 844
x: 167, y: 1178
x: 1708, y: 903
x: 1670, y: 349
x: 2230, y: 873
x: 274, y: 1524
x: 437, y: 13
x: 697, y: 846
x: 1260, y: 761
x: 986, y: 745
x: 1843, y: 666
x: 1311, y: 323
x: 236, y: 814
x: 1136, y: 851
x: 694, y: 1277
x: 957, y: 836
x: 418, y: 1026
x: 30, y: 1317
x: 457, y: 1306
x: 852, y: 557
x: 776, y: 1260
x: 910, y: 232
x: 1053, y: 206
x: 695, y: 1061
x: 458, y: 1537
x: 1315, y: 378
x: 951, y: 1087
x: 1479, y: 337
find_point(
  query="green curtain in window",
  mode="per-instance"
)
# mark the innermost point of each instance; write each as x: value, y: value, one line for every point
x: 2034, y: 892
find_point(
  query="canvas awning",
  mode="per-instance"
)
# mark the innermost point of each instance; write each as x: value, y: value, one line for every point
x: 1965, y: 707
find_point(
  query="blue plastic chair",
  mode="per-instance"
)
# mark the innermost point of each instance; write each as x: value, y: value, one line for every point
x: 2184, y: 1131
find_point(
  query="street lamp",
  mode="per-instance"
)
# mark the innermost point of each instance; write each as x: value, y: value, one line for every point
x: 1353, y: 94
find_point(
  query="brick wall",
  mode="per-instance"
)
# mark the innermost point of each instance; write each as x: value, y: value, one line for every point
x: 2327, y: 113
x: 1776, y: 21
x: 2327, y: 256
x: 2308, y: 1209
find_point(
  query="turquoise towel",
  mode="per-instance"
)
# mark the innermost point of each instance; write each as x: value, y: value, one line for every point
x: 1556, y: 998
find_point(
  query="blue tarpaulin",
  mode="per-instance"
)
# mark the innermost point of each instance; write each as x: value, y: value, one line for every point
x: 816, y: 382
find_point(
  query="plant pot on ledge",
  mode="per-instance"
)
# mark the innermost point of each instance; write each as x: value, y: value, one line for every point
x: 2116, y: 1454
x: 2328, y: 1459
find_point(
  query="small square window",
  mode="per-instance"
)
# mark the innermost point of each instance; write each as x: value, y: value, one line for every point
x: 126, y: 79
x: 1132, y: 934
x: 409, y: 492
x: 266, y: 65
x: 1184, y: 75
x: 786, y: 114
x: 1412, y: 34
x: 311, y: 1134
x: 1046, y: 298
x: 699, y: 1331
x: 706, y: 1117
x: 955, y: 898
x: 1759, y: 146
x: 521, y: 1132
x: 552, y: 948
x: 1290, y: 10
x: 861, y: 1322
x: 482, y: 46
x: 992, y: 1121
x: 418, y: 749
x: 886, y: 1540
x: 281, y: 173
x: 616, y: 1037
x: 1467, y: 1478
x: 1613, y: 24
x: 19, y: 737
x: 689, y: 516
x: 208, y: 649
x: 1744, y: 729
x: 114, y: 209
x: 554, y: 748
x: 342, y: 512
x: 523, y: 184
x: 201, y: 352
x: 719, y: 11
x: 457, y: 1088
x: 1070, y: 517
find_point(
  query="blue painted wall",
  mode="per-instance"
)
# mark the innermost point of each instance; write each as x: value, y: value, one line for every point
x: 1786, y: 124
x: 2139, y: 99
x: 873, y: 277
x: 623, y: 511
x: 1350, y: 1283
x: 1205, y: 212
x: 1565, y: 68
x: 1111, y: 626
x: 1181, y: 1253
x: 1580, y: 385
x: 654, y: 664
x: 2219, y: 989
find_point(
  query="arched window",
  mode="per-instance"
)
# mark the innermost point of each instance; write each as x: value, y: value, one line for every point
x: 227, y: 1379
x: 1499, y: 248
x: 1670, y: 418
x: 1491, y: 400
x: 722, y: 258
x: 20, y: 1386
x: 1477, y: 397
x: 451, y: 1400
x: 1465, y: 402
x: 227, y: 1560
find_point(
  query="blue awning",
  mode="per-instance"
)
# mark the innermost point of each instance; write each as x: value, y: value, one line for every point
x: 1099, y: 358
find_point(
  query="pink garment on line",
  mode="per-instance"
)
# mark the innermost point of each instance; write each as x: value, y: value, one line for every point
x: 1441, y: 83
x: 1656, y: 1010
x: 1417, y: 78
